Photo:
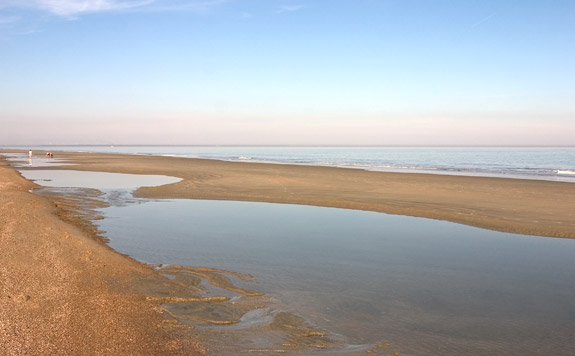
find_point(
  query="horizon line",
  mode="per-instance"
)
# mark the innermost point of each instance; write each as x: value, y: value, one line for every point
x: 5, y: 146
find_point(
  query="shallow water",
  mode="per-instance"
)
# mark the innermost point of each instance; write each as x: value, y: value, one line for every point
x: 378, y: 282
x: 429, y: 287
x: 96, y: 180
x: 22, y: 160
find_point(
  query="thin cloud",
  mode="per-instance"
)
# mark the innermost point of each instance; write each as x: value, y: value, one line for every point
x: 71, y: 8
x: 74, y: 8
x: 485, y: 19
x: 5, y: 20
x: 290, y: 8
x: 186, y: 5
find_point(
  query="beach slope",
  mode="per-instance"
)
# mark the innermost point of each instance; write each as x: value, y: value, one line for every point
x: 63, y: 292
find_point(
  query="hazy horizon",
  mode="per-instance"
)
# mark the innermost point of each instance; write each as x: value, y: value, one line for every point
x: 22, y: 146
x: 287, y: 73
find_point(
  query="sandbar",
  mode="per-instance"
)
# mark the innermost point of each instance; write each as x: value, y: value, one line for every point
x: 521, y: 206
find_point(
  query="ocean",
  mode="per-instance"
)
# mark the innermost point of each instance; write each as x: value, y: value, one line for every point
x: 540, y: 163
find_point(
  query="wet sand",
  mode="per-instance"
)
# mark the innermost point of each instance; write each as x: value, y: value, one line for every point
x: 63, y: 292
x: 510, y: 205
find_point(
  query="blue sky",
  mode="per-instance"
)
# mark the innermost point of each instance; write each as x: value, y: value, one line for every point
x: 372, y: 72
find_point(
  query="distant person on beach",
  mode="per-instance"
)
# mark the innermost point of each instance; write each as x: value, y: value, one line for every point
x: 30, y: 154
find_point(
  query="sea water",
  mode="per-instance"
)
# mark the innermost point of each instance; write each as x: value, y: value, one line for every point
x: 542, y: 163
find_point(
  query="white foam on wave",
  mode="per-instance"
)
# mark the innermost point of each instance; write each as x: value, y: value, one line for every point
x: 560, y: 171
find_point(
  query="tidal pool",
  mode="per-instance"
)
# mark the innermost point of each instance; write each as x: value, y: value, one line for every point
x: 412, y: 285
x: 377, y: 284
x: 95, y: 180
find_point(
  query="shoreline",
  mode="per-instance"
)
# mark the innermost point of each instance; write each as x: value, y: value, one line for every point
x: 426, y: 171
x: 122, y: 306
x: 86, y: 290
x: 522, y: 206
x: 63, y: 292
x: 540, y: 174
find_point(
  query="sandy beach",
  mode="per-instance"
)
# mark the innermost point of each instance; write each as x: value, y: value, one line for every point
x: 64, y: 292
x: 510, y: 205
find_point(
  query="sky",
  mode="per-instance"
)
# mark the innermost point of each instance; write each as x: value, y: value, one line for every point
x: 287, y: 72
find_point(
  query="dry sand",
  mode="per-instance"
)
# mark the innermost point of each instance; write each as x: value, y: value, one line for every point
x: 63, y: 292
x: 511, y: 205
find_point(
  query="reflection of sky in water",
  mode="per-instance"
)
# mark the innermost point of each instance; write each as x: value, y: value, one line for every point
x: 418, y: 282
x: 95, y: 180
x: 22, y: 160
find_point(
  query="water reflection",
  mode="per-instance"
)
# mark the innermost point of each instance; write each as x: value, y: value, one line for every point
x: 23, y: 160
x: 430, y: 287
x: 95, y: 180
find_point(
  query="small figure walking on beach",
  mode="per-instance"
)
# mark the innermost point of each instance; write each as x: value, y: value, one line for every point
x: 30, y: 154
